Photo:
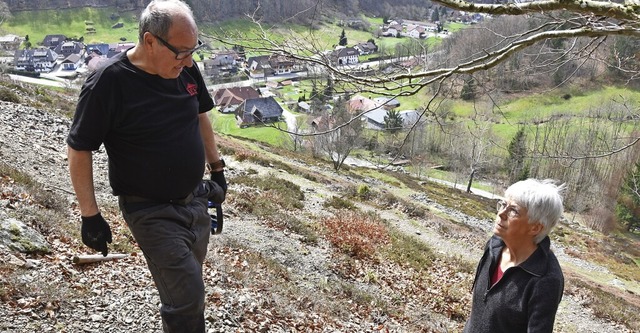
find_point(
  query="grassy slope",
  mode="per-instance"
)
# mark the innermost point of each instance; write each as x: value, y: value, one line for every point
x: 73, y: 23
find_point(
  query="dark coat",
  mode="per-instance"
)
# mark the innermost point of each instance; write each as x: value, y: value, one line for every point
x: 524, y: 300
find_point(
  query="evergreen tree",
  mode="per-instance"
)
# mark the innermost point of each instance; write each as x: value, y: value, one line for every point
x: 393, y: 121
x: 240, y: 50
x: 435, y: 15
x: 328, y: 90
x: 314, y: 93
x: 343, y: 39
x: 517, y: 154
x: 468, y: 90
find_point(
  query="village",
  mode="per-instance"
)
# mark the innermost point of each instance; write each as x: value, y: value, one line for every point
x: 62, y: 58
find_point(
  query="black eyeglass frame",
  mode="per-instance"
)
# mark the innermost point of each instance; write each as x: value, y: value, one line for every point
x: 178, y: 52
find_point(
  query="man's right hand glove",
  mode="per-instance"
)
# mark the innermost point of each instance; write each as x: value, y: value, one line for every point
x: 218, y: 177
x: 96, y: 233
x: 215, y: 193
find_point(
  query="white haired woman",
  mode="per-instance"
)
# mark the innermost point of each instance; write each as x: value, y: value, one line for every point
x: 519, y: 282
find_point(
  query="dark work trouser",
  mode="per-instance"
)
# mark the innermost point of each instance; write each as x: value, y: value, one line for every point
x: 174, y: 241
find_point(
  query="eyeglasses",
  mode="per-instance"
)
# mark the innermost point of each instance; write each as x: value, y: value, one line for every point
x: 180, y: 55
x: 512, y: 211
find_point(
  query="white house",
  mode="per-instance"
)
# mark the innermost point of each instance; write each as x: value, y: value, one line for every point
x: 346, y: 56
x: 10, y: 42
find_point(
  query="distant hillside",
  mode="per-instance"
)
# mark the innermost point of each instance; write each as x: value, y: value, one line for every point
x: 267, y: 10
x: 23, y: 5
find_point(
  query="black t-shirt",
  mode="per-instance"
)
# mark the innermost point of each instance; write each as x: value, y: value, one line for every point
x: 148, y: 125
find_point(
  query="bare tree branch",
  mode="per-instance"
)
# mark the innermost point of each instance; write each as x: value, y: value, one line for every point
x: 629, y: 12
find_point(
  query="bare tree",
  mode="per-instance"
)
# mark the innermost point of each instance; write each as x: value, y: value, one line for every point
x: 292, y: 137
x: 338, y: 134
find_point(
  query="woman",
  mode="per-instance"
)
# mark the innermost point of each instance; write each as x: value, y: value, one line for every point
x: 519, y: 283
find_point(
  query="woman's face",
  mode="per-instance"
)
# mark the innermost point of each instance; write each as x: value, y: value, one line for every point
x: 512, y: 223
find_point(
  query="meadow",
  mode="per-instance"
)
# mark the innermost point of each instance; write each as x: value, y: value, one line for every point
x: 74, y: 23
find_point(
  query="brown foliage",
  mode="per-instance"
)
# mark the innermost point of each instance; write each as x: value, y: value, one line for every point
x: 357, y: 234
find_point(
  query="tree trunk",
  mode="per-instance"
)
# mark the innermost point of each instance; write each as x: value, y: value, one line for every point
x: 473, y: 172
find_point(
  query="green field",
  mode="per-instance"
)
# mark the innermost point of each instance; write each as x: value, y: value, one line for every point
x: 226, y: 124
x: 325, y: 37
x: 73, y: 23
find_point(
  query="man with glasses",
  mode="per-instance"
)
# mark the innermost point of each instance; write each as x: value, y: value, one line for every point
x: 519, y: 282
x: 148, y: 106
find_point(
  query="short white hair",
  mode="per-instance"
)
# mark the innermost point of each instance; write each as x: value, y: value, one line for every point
x: 157, y: 17
x: 543, y: 201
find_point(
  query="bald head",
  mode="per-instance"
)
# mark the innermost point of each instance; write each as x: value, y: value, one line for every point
x: 159, y: 15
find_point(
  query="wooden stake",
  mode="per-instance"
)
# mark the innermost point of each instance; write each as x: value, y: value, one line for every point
x: 91, y: 258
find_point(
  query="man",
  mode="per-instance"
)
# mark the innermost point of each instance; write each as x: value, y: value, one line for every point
x: 148, y: 107
x: 519, y: 282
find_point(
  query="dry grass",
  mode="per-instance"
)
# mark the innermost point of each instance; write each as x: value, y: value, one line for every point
x: 606, y: 304
x: 278, y: 202
x: 32, y: 204
x: 336, y: 202
x: 616, y: 251
x: 59, y: 101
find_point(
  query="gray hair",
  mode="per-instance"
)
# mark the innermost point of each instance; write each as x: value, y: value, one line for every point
x: 543, y: 201
x: 158, y: 16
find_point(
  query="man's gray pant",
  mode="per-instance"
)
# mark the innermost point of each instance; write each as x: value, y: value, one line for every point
x: 174, y: 241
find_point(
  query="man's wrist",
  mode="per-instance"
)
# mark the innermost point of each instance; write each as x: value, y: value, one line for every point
x: 84, y: 215
x: 216, y: 166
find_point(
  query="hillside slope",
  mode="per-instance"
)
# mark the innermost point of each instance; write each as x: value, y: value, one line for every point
x: 276, y: 266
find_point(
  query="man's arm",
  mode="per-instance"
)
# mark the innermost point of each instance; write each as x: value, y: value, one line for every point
x: 81, y: 171
x: 212, y: 156
x: 95, y: 231
x: 208, y: 138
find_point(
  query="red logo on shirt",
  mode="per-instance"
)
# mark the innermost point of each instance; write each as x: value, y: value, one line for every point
x: 192, y: 88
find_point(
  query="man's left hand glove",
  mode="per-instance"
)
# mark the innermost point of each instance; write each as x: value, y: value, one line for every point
x: 218, y: 177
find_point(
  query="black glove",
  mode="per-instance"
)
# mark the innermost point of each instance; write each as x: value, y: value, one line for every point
x: 96, y: 233
x: 215, y: 193
x: 218, y: 177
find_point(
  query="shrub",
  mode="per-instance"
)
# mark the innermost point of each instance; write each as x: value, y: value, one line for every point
x: 408, y: 249
x: 414, y: 210
x: 339, y: 203
x: 364, y: 192
x: 273, y: 193
x: 356, y: 234
x: 9, y: 96
x: 243, y: 155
